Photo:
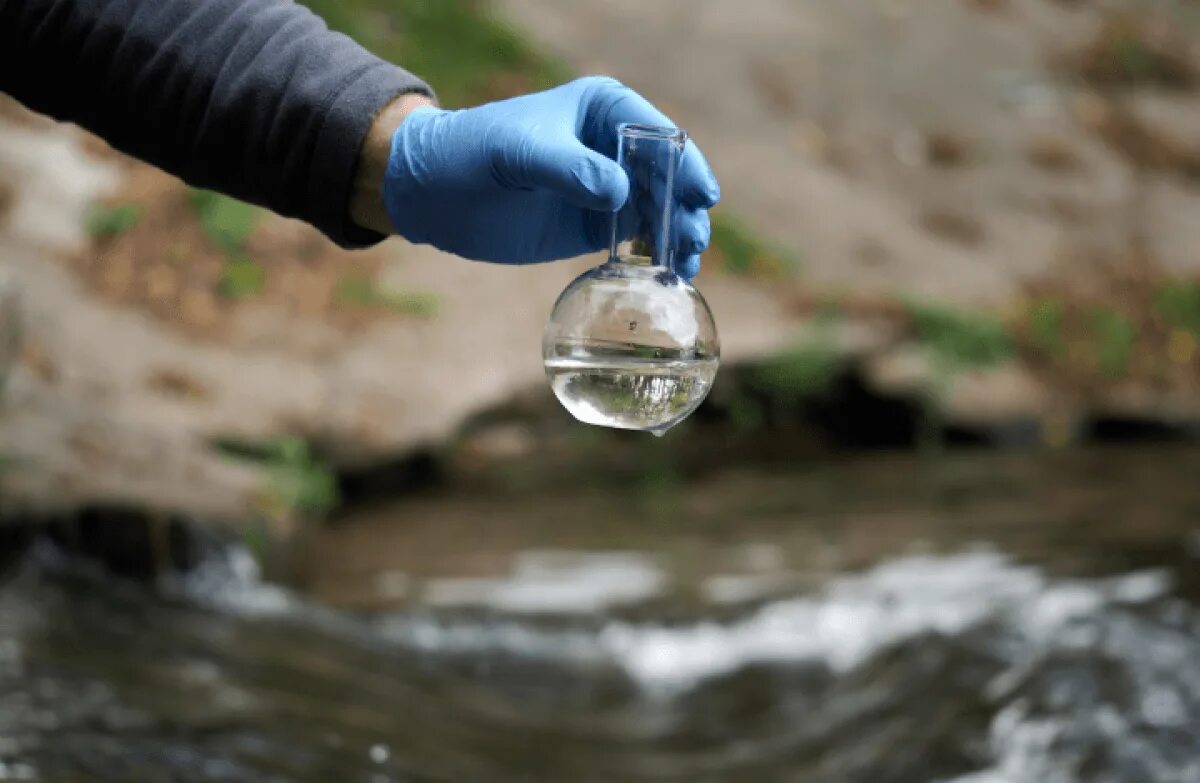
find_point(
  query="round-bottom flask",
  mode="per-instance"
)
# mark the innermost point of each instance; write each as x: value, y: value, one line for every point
x: 630, y: 344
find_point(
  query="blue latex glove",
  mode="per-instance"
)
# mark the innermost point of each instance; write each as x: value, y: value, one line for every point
x: 533, y: 178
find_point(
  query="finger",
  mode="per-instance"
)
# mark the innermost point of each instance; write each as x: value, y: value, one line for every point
x: 693, y: 230
x: 688, y: 267
x: 583, y: 177
x: 611, y: 106
x: 695, y: 184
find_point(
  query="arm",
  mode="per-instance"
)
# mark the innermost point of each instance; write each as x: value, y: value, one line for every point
x: 366, y: 206
x: 256, y: 98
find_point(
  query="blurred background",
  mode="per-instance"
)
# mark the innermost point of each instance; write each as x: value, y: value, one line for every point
x: 274, y: 511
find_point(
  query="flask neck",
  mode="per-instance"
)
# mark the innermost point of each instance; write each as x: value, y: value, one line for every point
x: 633, y: 253
x: 643, y: 231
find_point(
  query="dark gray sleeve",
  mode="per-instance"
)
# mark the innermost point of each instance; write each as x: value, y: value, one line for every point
x: 255, y: 98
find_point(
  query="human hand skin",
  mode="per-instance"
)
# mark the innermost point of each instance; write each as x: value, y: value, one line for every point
x: 366, y: 202
x: 525, y: 180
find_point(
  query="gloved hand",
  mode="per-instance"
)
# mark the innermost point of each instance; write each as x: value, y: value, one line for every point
x: 532, y: 178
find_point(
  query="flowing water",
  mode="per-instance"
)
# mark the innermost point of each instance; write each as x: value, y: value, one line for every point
x: 989, y: 619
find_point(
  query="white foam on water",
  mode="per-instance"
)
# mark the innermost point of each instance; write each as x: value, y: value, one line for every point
x: 841, y: 627
x: 856, y: 617
x: 556, y: 582
x: 852, y: 619
x: 431, y: 635
x: 232, y: 581
x: 1024, y: 750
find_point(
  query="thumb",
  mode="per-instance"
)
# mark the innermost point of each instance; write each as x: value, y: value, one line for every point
x: 580, y: 175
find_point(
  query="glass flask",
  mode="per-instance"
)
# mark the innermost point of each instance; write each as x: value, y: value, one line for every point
x: 630, y: 344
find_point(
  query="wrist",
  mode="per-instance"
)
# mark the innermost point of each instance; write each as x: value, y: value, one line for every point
x: 366, y: 201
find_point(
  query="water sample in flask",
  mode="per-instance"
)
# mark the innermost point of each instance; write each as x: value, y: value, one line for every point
x: 630, y: 344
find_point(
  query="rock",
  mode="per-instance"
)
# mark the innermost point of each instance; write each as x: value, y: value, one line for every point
x: 903, y: 370
x: 997, y: 396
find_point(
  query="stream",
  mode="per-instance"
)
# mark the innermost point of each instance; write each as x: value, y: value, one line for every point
x: 979, y: 617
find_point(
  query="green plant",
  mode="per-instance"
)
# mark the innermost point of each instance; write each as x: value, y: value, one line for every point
x: 227, y: 222
x: 1178, y: 304
x: 1130, y: 48
x: 356, y: 291
x: 1045, y: 325
x: 1113, y: 336
x: 468, y: 53
x: 110, y: 221
x: 241, y: 278
x: 1133, y: 60
x: 744, y: 253
x: 804, y: 369
x: 960, y: 339
x: 296, y: 480
x: 746, y: 415
x: 363, y: 292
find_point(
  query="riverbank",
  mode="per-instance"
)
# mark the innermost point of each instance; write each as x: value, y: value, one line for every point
x: 182, y: 351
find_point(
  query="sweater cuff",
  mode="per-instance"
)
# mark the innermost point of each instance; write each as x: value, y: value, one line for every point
x: 339, y: 143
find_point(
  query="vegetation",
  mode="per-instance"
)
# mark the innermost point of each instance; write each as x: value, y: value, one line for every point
x: 110, y: 221
x: 1113, y: 337
x: 296, y: 480
x: 1128, y: 51
x: 961, y: 340
x: 742, y: 252
x: 241, y: 278
x: 805, y: 369
x: 1177, y: 303
x: 227, y: 222
x: 463, y: 50
x: 1045, y: 328
x: 364, y: 292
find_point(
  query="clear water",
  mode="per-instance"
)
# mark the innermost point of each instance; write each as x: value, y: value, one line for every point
x: 631, y: 393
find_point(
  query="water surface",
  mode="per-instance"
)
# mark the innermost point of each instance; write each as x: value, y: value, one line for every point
x: 981, y: 619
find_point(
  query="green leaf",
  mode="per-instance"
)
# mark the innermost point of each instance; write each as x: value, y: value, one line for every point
x: 226, y: 221
x: 415, y: 303
x: 1045, y: 323
x: 296, y: 479
x: 459, y: 46
x: 363, y: 292
x: 960, y: 339
x: 745, y: 253
x: 110, y: 221
x: 306, y: 487
x: 1114, y: 336
x: 242, y: 278
x: 1178, y: 304
x: 803, y: 370
x: 356, y: 291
